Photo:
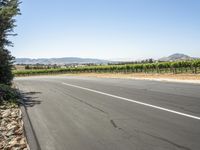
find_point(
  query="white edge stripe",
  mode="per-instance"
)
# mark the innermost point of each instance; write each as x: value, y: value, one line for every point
x: 134, y: 101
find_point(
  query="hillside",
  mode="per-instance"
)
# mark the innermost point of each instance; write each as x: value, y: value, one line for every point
x: 77, y: 60
x: 65, y: 60
x: 176, y: 57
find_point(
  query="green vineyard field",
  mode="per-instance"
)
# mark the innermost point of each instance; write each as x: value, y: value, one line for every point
x: 192, y: 66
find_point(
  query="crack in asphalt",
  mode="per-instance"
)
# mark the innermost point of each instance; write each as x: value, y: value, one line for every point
x: 88, y: 104
x: 108, y: 116
x: 168, y: 141
x: 154, y: 136
x: 113, y: 123
x: 129, y: 136
x: 84, y: 102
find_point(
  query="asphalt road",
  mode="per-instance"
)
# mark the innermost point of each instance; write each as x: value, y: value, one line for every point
x: 80, y: 113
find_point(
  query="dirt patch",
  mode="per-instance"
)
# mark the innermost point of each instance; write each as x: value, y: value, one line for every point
x: 167, y: 77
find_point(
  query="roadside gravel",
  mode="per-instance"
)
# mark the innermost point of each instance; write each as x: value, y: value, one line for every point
x: 11, y: 128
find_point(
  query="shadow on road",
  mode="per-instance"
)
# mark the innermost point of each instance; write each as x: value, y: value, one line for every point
x: 30, y: 99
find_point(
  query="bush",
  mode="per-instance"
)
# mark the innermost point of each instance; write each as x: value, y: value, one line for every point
x: 8, y: 94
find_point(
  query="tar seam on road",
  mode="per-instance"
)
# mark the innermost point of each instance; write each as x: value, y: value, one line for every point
x: 134, y: 101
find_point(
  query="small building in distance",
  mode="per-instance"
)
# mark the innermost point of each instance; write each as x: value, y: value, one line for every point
x: 19, y: 67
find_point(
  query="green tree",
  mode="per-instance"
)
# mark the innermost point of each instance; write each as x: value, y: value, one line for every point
x: 8, y: 10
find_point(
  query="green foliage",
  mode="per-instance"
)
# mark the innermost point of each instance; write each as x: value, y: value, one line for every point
x: 196, y: 63
x: 8, y: 94
x: 8, y: 10
x: 170, y: 67
x: 5, y: 67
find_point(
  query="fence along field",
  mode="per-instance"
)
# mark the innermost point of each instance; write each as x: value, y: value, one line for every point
x: 192, y: 66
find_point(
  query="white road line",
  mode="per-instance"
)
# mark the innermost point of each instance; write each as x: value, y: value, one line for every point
x: 134, y: 101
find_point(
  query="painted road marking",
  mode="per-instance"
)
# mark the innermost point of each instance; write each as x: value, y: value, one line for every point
x: 134, y: 101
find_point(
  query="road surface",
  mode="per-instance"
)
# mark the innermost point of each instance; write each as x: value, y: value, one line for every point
x: 80, y: 113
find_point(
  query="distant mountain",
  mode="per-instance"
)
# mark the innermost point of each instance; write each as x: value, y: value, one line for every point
x: 176, y: 57
x: 59, y: 61
x: 77, y: 60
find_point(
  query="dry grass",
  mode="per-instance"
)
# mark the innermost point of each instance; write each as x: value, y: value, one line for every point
x: 141, y: 76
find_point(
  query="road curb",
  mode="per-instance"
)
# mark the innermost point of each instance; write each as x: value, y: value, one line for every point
x: 28, y: 128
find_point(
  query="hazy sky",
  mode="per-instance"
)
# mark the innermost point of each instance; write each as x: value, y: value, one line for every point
x: 107, y: 28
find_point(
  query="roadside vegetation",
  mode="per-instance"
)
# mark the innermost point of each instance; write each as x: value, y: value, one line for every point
x: 8, y: 10
x: 11, y: 124
x: 8, y: 95
x: 178, y: 67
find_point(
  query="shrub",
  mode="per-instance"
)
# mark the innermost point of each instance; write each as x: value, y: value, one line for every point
x: 8, y: 94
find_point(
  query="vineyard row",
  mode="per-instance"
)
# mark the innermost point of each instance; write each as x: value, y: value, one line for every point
x: 160, y: 67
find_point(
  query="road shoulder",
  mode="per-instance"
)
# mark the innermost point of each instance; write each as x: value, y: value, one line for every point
x: 181, y: 78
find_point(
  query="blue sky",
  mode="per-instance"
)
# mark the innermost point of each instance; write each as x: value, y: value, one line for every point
x: 107, y: 28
